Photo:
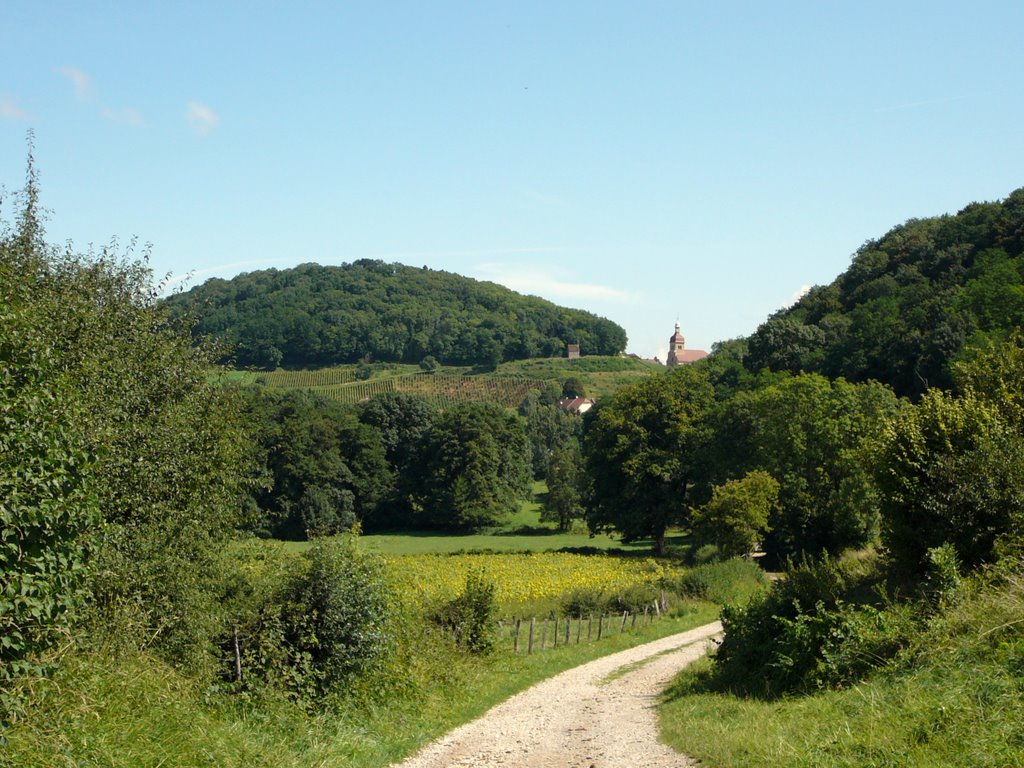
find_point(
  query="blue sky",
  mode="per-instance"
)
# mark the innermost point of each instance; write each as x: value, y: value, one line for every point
x: 646, y: 161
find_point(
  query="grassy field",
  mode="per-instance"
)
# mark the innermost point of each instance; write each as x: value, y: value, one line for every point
x: 522, y: 532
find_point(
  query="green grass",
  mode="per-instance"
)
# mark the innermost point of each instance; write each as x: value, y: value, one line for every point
x: 132, y: 710
x: 955, y: 699
x: 523, y: 531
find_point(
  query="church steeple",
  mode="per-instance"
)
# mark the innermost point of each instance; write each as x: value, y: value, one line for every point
x: 676, y: 345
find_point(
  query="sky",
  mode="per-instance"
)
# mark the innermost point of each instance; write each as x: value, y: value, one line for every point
x: 650, y: 162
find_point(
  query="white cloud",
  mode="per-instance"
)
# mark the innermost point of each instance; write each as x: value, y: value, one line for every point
x: 11, y: 111
x: 80, y: 81
x: 201, y: 118
x: 126, y: 116
x: 803, y: 291
x: 541, y: 282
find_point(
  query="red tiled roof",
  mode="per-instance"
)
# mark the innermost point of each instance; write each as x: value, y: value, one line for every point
x: 691, y: 355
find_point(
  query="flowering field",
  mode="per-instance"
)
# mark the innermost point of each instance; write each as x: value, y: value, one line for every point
x: 522, y: 580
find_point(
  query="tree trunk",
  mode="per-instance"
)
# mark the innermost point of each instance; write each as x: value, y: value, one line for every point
x: 659, y: 540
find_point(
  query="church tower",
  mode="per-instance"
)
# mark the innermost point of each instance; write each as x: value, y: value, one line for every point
x: 676, y: 346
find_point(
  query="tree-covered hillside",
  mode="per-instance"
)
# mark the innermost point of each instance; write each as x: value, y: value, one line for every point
x: 316, y: 315
x: 909, y: 303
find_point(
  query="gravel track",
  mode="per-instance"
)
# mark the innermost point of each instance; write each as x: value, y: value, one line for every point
x: 598, y: 715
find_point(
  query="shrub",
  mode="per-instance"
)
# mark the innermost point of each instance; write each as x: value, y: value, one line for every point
x: 46, y: 509
x: 802, y: 635
x: 306, y: 626
x: 731, y: 581
x: 470, y: 616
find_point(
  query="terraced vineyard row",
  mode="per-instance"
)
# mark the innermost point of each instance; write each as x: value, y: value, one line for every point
x: 442, y: 389
x: 324, y: 377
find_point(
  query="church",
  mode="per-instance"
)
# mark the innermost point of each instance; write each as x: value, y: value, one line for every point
x: 678, y: 354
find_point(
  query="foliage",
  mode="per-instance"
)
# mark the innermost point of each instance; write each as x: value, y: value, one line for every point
x: 953, y: 698
x: 404, y: 423
x: 548, y: 428
x: 563, y: 502
x: 803, y: 635
x: 573, y: 387
x: 325, y: 470
x: 305, y: 626
x: 470, y: 616
x: 737, y: 515
x: 320, y: 315
x: 641, y: 452
x: 727, y: 582
x: 167, y: 443
x: 46, y: 501
x: 813, y: 437
x: 476, y: 466
x: 951, y: 471
x: 909, y: 303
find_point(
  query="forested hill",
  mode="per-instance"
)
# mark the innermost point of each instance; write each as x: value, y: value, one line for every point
x: 909, y: 303
x: 319, y: 315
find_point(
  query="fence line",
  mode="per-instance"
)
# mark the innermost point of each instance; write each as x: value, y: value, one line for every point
x: 606, y: 623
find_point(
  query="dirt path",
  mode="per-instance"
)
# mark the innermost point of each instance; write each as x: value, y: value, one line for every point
x: 600, y: 715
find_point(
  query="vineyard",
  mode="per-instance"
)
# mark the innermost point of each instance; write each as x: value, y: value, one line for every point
x: 323, y: 377
x: 441, y: 389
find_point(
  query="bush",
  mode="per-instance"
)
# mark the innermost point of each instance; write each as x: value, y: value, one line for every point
x: 802, y: 635
x: 470, y: 616
x: 47, y: 508
x: 731, y: 581
x: 583, y: 602
x: 305, y: 626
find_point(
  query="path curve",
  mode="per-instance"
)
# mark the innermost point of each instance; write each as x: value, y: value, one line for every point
x: 598, y: 715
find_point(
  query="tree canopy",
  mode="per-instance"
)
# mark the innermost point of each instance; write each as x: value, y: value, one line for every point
x: 316, y: 315
x: 642, y: 449
x: 909, y: 303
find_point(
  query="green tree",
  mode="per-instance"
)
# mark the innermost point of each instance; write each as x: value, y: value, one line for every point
x: 737, y: 516
x: 326, y: 470
x: 573, y: 387
x: 477, y: 466
x: 548, y: 427
x: 812, y: 436
x: 951, y: 471
x: 564, y: 500
x: 641, y: 451
x: 404, y: 422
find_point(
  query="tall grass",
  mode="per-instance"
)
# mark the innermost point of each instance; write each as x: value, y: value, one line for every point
x: 954, y: 698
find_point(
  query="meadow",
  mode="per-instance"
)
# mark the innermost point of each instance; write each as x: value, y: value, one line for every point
x: 115, y: 706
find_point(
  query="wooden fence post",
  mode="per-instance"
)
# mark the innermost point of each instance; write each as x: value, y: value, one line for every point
x: 600, y: 625
x: 544, y: 633
x: 238, y: 656
x: 568, y: 625
x: 579, y: 628
x: 515, y: 642
x: 622, y: 627
x: 555, y: 639
x: 529, y: 648
x: 590, y: 624
x: 632, y: 621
